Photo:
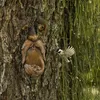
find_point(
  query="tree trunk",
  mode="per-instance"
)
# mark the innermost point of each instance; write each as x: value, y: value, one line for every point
x: 14, y: 83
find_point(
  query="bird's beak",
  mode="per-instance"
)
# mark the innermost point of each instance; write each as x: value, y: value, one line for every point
x: 56, y: 50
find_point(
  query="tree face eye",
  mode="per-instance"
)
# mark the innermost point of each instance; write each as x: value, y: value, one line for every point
x: 42, y: 27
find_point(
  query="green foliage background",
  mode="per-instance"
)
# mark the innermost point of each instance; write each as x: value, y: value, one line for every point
x: 82, y: 81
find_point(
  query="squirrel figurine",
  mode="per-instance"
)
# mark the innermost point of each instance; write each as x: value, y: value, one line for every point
x: 33, y: 54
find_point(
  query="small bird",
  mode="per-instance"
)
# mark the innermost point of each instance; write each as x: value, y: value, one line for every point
x: 67, y: 53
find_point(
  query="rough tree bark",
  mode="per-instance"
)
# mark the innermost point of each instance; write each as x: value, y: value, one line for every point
x: 14, y: 15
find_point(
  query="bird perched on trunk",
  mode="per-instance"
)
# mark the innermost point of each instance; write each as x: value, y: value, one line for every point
x: 67, y: 53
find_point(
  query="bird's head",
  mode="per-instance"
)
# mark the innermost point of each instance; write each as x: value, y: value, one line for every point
x: 60, y: 51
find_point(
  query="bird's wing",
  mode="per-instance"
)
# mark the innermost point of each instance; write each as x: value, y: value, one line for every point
x: 70, y: 51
